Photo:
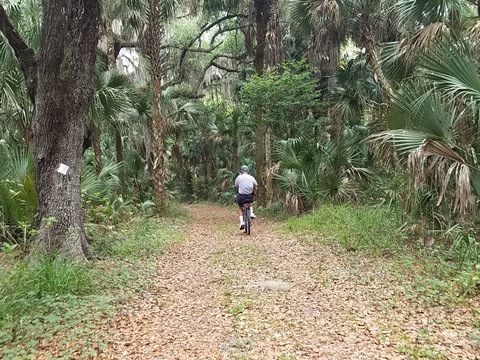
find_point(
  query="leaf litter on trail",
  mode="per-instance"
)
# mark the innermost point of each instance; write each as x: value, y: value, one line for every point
x: 201, y: 303
x: 334, y: 308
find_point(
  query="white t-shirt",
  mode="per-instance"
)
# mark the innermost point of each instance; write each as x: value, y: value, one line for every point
x: 245, y: 183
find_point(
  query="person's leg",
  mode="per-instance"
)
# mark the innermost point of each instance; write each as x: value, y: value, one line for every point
x: 240, y: 211
x: 240, y: 216
x: 252, y: 214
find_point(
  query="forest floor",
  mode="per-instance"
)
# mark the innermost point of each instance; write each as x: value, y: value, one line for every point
x: 220, y: 294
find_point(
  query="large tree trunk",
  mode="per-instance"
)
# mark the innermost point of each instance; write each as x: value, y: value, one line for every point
x: 65, y: 85
x: 153, y: 42
x: 262, y: 15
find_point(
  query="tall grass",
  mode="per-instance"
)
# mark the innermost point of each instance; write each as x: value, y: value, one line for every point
x: 32, y: 294
x: 438, y: 273
x: 356, y: 228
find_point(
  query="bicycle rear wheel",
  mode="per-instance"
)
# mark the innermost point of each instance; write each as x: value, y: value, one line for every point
x: 246, y: 218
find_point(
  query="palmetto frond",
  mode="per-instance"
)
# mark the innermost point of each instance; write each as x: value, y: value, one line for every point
x: 425, y: 119
x: 312, y: 170
x: 300, y: 16
x: 113, y: 101
x: 452, y: 68
x: 419, y: 108
x: 105, y: 183
x: 413, y: 13
x: 18, y: 199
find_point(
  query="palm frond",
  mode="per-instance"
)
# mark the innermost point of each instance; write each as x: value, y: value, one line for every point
x: 452, y: 69
x: 420, y: 108
x: 300, y: 16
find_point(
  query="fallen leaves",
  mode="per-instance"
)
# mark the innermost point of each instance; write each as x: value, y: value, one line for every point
x: 205, y: 302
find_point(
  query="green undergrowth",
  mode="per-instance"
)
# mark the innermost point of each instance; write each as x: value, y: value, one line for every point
x: 429, y: 273
x: 372, y: 230
x: 55, y: 304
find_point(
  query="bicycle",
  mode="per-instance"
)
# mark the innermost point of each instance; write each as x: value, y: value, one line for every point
x: 246, y: 218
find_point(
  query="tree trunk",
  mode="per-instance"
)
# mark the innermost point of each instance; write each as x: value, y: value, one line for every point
x: 120, y: 159
x: 260, y: 161
x: 268, y: 166
x: 111, y: 55
x: 368, y: 39
x: 97, y: 149
x: 153, y: 41
x: 262, y: 15
x: 275, y: 52
x: 158, y: 166
x: 235, y: 155
x: 336, y: 125
x: 65, y: 86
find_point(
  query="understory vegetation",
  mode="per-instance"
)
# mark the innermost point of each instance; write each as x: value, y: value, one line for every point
x: 441, y: 271
x: 52, y: 300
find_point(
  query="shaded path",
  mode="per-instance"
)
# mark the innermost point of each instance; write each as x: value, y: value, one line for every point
x: 209, y: 303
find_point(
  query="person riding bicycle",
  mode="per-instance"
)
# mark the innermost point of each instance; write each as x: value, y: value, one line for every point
x: 246, y: 190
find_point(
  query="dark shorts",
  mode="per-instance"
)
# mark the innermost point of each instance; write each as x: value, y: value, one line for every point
x: 244, y: 199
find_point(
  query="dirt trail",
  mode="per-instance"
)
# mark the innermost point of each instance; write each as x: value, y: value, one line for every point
x: 210, y: 303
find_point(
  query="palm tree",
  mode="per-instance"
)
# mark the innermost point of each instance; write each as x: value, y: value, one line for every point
x: 322, y: 23
x: 368, y: 23
x: 311, y: 172
x: 153, y: 38
x: 112, y: 110
x: 425, y: 118
x: 353, y: 94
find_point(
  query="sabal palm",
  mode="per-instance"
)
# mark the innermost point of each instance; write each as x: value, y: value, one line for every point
x: 321, y: 23
x: 113, y: 110
x: 428, y: 116
x: 422, y: 22
x: 311, y: 172
x: 354, y: 92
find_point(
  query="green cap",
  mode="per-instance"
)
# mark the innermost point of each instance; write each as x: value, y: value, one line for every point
x: 244, y: 168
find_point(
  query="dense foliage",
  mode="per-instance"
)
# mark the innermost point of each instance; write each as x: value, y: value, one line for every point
x: 365, y: 101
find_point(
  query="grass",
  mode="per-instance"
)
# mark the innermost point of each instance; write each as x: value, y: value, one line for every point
x: 428, y: 273
x: 41, y: 300
x: 373, y: 230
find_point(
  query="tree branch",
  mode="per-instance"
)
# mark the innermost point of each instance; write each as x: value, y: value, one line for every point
x: 24, y: 54
x: 213, y: 63
x: 201, y: 50
x: 221, y: 31
x: 202, y: 31
x: 224, y: 68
